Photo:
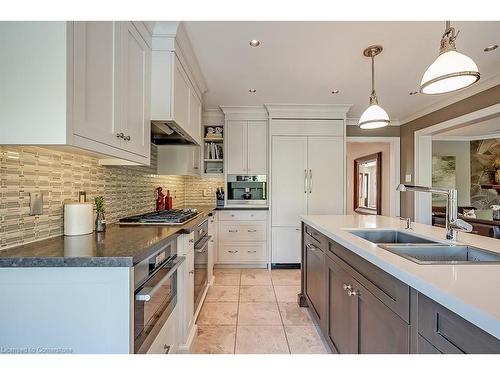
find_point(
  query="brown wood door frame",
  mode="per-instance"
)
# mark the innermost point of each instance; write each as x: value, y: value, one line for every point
x: 378, y: 157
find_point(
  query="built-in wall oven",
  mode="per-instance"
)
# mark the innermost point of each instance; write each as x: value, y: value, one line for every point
x: 201, y: 240
x: 155, y: 282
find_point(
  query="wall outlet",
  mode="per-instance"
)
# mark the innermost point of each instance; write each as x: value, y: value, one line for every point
x: 408, y: 178
x: 205, y: 192
x: 36, y: 204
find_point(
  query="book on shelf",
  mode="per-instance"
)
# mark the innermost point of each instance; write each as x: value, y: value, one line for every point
x: 213, y: 150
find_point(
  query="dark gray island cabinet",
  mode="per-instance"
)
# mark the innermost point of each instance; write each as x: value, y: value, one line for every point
x: 363, y: 309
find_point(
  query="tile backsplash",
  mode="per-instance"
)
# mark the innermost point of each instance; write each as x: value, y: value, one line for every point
x: 61, y: 175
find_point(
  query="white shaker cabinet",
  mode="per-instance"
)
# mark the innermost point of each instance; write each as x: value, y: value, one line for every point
x: 307, y: 178
x: 236, y: 147
x: 173, y: 96
x: 96, y: 48
x: 246, y: 151
x: 136, y: 90
x: 82, y: 84
x: 257, y: 147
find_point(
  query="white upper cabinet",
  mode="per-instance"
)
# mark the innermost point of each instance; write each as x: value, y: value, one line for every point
x: 246, y: 147
x: 90, y: 79
x: 136, y: 91
x: 236, y: 147
x: 177, y: 84
x: 257, y: 147
x: 96, y: 49
x: 173, y: 96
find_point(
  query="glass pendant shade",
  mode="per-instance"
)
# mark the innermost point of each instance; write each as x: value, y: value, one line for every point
x: 374, y: 117
x: 451, y: 71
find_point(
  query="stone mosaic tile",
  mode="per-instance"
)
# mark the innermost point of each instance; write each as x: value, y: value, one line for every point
x: 61, y: 175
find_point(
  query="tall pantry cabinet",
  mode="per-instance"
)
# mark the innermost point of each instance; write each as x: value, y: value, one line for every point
x: 307, y: 176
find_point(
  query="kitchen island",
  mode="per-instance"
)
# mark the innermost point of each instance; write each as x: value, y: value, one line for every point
x: 76, y: 294
x: 370, y: 300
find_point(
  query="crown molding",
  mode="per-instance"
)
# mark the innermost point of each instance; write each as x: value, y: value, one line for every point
x: 308, y: 111
x: 244, y: 112
x: 464, y: 94
x: 351, y: 121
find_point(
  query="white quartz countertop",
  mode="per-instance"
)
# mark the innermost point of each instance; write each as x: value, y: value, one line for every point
x: 469, y: 290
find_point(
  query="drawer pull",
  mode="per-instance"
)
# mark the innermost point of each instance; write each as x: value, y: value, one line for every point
x: 252, y: 230
x: 233, y: 230
x: 351, y: 293
x: 233, y: 251
x: 251, y: 251
x: 166, y: 348
x: 347, y: 286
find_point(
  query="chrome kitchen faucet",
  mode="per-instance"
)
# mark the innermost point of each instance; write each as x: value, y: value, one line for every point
x: 453, y: 223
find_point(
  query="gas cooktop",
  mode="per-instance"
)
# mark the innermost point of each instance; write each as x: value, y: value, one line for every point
x: 166, y: 217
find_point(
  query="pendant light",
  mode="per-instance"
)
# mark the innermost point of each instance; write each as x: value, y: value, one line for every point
x: 374, y: 116
x: 451, y: 71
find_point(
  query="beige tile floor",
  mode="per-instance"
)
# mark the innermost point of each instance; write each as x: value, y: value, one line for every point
x: 254, y: 311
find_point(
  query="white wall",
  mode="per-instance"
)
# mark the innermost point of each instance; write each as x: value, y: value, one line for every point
x: 358, y: 149
x: 461, y: 150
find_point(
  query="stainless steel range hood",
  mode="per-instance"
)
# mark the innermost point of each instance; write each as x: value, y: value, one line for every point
x: 169, y: 133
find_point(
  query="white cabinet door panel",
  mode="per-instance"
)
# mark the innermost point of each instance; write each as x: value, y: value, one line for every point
x: 289, y: 165
x: 257, y: 147
x: 181, y: 95
x: 194, y: 117
x: 236, y: 138
x: 286, y: 245
x: 326, y: 175
x: 96, y: 80
x: 136, y: 91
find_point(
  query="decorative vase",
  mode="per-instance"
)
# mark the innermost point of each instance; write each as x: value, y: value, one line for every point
x: 100, y: 222
x: 497, y: 176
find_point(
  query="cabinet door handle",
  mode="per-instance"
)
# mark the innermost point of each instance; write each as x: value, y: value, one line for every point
x: 166, y: 348
x: 191, y: 240
x: 233, y: 230
x: 305, y: 181
x: 310, y: 181
x: 233, y: 251
x: 347, y: 286
x: 120, y: 135
x: 126, y: 138
x: 351, y: 293
x: 251, y: 251
x: 252, y: 230
x: 191, y: 272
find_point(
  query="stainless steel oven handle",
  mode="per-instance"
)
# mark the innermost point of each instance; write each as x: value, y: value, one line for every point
x: 147, y: 293
x: 201, y: 243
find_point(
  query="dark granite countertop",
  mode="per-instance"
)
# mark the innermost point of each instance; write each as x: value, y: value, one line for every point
x: 119, y: 246
x: 258, y: 208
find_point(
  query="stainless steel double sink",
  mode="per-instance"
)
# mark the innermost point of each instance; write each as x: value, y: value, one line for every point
x: 424, y: 251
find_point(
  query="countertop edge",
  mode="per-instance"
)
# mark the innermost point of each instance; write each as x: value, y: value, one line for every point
x: 474, y: 315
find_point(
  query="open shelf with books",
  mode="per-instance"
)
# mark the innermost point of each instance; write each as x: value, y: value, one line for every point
x: 213, y: 149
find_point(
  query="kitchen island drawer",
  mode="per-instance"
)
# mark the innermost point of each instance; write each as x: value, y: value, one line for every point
x: 242, y: 215
x: 450, y: 333
x: 236, y: 253
x: 242, y: 231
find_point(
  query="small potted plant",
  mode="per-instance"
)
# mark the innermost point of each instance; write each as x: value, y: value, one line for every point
x: 100, y: 221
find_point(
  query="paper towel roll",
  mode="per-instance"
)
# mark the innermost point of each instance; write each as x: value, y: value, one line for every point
x: 78, y: 219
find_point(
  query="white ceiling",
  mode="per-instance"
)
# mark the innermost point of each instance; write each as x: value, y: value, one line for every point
x: 302, y: 62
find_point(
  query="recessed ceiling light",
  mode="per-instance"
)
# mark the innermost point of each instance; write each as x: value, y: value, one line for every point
x: 413, y: 93
x: 254, y: 43
x: 335, y: 91
x: 491, y: 48
x: 252, y: 91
